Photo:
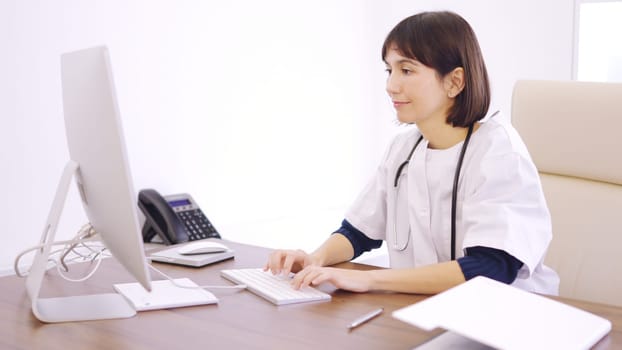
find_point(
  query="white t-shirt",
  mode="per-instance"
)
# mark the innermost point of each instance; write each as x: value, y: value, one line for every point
x: 500, y: 203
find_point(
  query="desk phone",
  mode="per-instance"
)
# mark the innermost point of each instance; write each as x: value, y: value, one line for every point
x: 174, y: 218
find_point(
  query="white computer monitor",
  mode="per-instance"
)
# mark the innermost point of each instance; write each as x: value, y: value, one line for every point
x: 99, y: 165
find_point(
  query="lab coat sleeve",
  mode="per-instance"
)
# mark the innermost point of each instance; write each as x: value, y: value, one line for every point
x: 506, y: 209
x: 368, y: 213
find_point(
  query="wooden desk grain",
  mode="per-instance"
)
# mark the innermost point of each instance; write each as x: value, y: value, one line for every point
x: 241, y: 320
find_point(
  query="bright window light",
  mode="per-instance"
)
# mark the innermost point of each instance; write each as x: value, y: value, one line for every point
x: 599, y: 53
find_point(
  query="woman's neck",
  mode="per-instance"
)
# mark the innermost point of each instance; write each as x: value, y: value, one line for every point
x: 443, y: 135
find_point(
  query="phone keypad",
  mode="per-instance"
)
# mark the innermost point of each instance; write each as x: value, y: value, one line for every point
x: 197, y: 225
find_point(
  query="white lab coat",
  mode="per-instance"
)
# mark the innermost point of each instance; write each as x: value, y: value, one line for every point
x: 500, y: 204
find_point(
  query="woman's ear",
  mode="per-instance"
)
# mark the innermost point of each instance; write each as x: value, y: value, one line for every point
x: 454, y: 82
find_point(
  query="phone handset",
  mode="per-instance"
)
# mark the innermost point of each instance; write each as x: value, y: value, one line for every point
x: 160, y: 219
x: 174, y: 218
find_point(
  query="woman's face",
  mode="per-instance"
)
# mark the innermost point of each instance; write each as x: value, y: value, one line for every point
x: 418, y: 94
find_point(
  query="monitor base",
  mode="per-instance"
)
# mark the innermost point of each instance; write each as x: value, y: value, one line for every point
x: 82, y: 308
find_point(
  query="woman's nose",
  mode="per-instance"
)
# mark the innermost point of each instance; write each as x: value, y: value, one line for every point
x: 392, y: 85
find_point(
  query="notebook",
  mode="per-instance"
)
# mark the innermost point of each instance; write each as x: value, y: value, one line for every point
x: 505, y: 317
x: 165, y: 295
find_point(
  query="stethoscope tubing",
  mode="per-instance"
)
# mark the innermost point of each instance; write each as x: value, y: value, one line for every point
x: 454, y: 192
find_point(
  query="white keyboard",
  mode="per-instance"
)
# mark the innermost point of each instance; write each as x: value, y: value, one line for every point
x: 276, y: 289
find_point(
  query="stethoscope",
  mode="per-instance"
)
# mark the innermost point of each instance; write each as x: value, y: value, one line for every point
x: 454, y: 193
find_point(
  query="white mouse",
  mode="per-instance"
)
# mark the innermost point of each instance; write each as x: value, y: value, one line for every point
x: 201, y: 247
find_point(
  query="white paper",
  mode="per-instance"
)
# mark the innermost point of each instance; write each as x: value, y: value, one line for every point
x: 506, y: 317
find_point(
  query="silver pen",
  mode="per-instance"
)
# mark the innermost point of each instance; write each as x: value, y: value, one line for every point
x: 368, y: 316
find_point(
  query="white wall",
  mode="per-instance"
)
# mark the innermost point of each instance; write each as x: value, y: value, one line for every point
x: 271, y: 114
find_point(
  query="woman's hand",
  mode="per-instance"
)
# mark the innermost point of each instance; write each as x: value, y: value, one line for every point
x: 286, y: 261
x: 352, y: 280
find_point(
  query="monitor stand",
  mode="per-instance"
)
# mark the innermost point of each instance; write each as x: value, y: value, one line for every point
x: 72, y: 308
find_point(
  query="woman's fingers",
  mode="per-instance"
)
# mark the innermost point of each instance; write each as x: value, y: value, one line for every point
x: 355, y: 281
x: 285, y: 261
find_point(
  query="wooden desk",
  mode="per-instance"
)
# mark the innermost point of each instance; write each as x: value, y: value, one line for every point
x: 241, y: 320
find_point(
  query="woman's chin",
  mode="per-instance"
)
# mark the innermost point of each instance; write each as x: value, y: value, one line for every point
x: 402, y: 119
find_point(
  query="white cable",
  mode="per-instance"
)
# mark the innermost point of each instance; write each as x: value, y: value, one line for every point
x: 85, y: 234
x: 39, y: 246
x: 98, y: 258
x: 238, y: 286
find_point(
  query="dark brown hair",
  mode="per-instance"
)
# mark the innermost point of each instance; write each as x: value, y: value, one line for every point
x: 444, y: 41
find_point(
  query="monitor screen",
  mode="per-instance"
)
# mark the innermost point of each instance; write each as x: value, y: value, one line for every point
x: 96, y: 143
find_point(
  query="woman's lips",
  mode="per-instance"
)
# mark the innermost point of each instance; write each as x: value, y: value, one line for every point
x: 397, y: 104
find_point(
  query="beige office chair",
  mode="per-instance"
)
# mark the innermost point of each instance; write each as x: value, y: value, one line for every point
x: 573, y: 131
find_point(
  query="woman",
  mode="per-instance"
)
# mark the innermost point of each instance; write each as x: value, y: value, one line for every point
x: 456, y: 198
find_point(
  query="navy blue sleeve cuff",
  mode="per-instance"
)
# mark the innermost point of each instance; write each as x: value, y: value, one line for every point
x: 360, y: 242
x: 489, y: 262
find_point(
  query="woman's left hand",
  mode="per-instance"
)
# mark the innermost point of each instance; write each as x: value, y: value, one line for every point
x: 352, y: 280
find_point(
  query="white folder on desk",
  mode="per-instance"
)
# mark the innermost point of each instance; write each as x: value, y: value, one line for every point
x: 505, y: 317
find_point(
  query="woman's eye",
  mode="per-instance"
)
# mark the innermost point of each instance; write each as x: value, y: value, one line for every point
x: 388, y: 70
x: 406, y: 71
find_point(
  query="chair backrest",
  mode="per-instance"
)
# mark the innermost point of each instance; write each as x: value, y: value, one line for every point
x: 573, y: 131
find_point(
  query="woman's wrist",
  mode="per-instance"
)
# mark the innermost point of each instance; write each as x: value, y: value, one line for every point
x: 317, y: 258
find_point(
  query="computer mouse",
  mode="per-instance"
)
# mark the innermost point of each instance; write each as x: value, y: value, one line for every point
x: 201, y: 247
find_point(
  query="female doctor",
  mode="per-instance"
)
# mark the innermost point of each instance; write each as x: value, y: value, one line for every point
x: 455, y: 198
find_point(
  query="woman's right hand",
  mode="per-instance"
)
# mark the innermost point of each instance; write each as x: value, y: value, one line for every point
x: 284, y: 261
